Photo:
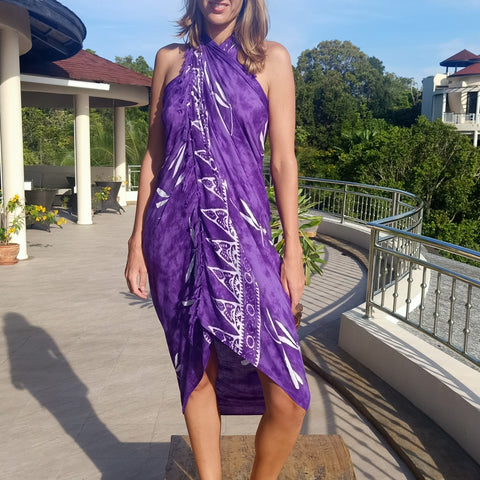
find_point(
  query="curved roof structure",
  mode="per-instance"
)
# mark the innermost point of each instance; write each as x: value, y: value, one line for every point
x: 56, y: 31
x: 460, y: 59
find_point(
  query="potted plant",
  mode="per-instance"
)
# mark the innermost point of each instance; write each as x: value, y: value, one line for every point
x: 40, y: 196
x: 11, y: 222
x: 100, y: 196
x: 38, y: 214
x: 312, y: 251
x: 112, y: 197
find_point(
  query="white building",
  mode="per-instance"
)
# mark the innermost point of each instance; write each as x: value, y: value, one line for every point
x: 455, y: 97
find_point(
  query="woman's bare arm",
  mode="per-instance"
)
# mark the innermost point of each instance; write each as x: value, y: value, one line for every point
x: 281, y: 93
x: 167, y: 66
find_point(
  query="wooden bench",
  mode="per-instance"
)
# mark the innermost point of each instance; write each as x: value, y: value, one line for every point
x: 314, y: 457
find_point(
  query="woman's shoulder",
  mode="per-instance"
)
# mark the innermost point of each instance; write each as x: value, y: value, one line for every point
x: 277, y: 62
x: 172, y: 52
x: 276, y: 52
x: 169, y: 61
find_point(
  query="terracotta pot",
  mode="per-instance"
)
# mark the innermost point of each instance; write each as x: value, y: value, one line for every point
x: 8, y: 253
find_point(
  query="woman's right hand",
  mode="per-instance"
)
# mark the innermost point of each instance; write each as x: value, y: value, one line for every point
x: 136, y: 271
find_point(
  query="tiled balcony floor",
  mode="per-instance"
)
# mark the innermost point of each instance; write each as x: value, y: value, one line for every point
x: 87, y: 390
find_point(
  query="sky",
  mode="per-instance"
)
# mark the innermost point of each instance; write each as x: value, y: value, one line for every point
x: 410, y: 37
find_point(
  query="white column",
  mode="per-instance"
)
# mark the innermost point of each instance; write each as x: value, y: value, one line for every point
x: 11, y: 125
x: 82, y: 156
x: 476, y: 122
x: 477, y: 109
x: 120, y: 156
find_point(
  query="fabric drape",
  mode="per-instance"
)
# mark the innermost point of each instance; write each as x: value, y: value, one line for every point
x: 213, y: 270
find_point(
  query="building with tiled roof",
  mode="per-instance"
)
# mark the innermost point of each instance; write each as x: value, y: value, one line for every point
x: 88, y: 67
x: 455, y: 98
x: 460, y: 59
x: 43, y: 65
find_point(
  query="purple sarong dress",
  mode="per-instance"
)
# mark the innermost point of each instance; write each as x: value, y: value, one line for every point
x: 214, y: 273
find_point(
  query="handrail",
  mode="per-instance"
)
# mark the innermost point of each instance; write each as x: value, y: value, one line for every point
x: 438, y: 296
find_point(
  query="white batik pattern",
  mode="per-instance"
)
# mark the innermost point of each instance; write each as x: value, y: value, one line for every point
x: 284, y: 338
x: 237, y: 296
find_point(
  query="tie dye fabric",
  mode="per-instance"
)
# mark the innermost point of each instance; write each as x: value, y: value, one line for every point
x: 213, y: 271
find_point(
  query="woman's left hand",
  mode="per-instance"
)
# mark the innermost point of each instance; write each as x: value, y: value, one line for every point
x: 292, y: 277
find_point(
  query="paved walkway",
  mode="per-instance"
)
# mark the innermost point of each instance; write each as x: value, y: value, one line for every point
x: 87, y: 390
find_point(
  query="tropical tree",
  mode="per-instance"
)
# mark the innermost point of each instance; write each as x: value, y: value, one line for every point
x: 47, y: 136
x: 139, y: 65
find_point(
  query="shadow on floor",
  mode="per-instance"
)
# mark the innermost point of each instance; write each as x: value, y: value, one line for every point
x: 38, y: 366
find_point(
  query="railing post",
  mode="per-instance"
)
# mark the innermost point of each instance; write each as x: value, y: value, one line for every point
x: 371, y: 271
x: 394, y: 204
x: 129, y: 178
x: 344, y: 203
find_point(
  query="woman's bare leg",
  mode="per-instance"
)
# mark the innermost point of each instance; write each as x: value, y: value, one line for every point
x: 277, y: 432
x: 203, y: 423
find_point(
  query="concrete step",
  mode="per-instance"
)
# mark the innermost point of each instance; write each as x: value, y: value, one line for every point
x: 314, y: 457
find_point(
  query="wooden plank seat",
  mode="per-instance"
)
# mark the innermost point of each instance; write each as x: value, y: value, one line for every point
x: 314, y: 457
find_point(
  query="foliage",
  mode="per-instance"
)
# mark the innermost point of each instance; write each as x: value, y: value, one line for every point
x: 47, y: 136
x: 12, y: 221
x: 39, y: 214
x: 139, y: 65
x: 102, y: 195
x: 432, y: 160
x: 101, y: 137
x: 312, y: 251
x: 336, y: 79
x: 337, y: 86
x: 437, y: 224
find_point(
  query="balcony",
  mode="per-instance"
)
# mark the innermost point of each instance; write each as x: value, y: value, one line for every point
x: 464, y: 122
x: 87, y: 372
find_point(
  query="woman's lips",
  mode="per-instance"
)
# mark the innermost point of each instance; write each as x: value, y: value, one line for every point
x: 218, y: 7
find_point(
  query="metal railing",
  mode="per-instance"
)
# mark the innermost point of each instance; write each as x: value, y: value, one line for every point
x: 459, y: 118
x: 133, y: 177
x: 360, y: 203
x: 435, y: 295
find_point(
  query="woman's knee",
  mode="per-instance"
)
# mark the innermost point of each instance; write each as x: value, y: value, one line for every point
x: 284, y: 408
x: 209, y: 378
x: 279, y: 404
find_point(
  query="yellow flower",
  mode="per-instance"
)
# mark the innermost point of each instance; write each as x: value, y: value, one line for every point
x: 55, y: 212
x: 11, y: 230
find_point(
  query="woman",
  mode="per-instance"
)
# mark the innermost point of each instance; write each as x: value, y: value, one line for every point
x: 202, y: 230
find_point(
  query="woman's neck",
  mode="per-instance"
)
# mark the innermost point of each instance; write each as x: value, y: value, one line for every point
x: 219, y: 33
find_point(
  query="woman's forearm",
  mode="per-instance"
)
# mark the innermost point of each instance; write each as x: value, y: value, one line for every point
x: 285, y: 177
x: 145, y: 191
